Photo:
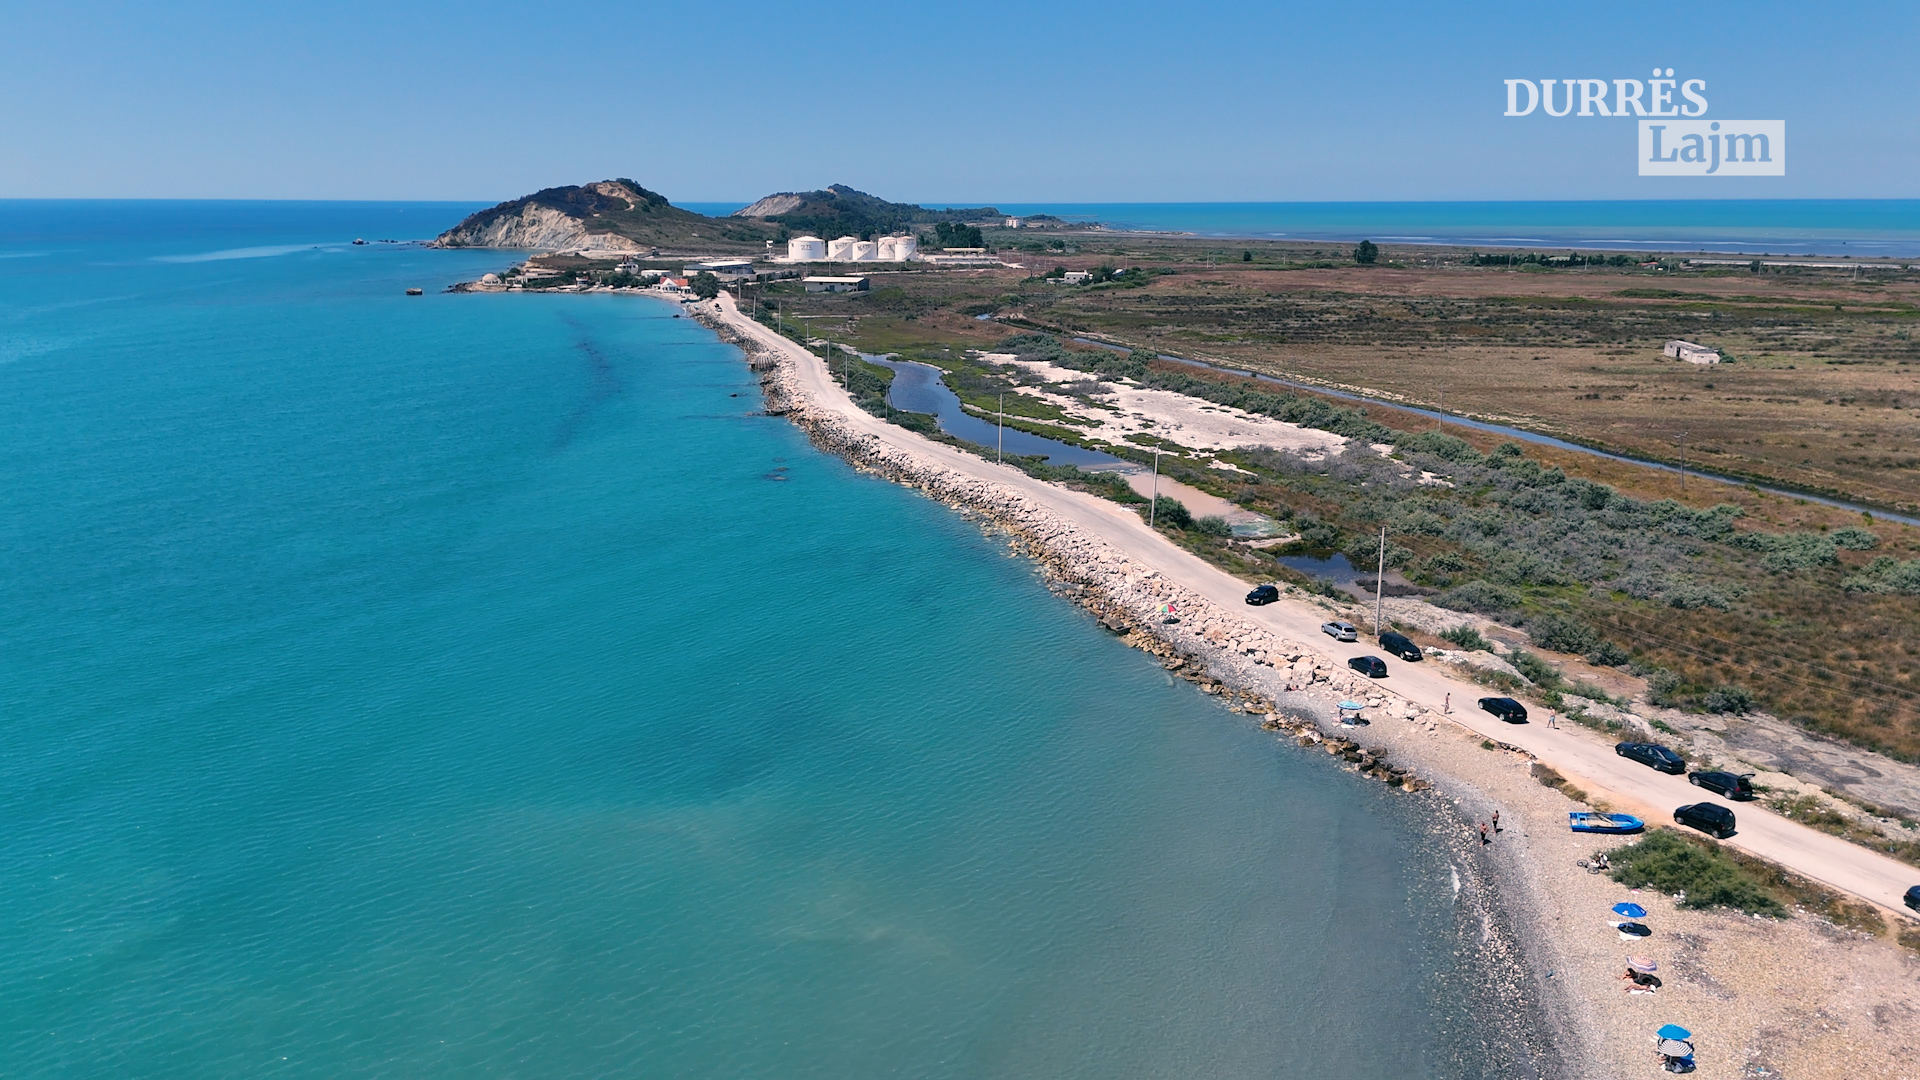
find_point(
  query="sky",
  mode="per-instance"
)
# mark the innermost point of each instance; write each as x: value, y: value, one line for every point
x: 938, y: 103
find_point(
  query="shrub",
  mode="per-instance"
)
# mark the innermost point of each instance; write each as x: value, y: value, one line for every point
x: 1728, y: 699
x: 1168, y: 510
x: 1538, y: 671
x: 1213, y: 525
x: 1672, y: 863
x: 1854, y: 538
x: 1363, y: 552
x: 1607, y: 654
x: 1663, y: 689
x: 1440, y: 445
x: 1467, y: 638
x: 1562, y: 634
x: 1886, y: 575
x: 1480, y: 596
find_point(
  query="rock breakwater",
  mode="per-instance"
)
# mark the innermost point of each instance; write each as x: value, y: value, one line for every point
x: 1288, y: 688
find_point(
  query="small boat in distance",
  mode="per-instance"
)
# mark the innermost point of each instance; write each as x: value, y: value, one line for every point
x: 416, y: 292
x: 1593, y: 821
x: 357, y: 240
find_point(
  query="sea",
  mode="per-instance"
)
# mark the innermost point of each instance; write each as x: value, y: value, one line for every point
x: 480, y: 685
x: 1861, y: 228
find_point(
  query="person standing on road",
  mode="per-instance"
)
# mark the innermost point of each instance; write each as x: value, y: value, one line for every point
x: 1484, y: 838
x: 1446, y: 706
x: 1553, y: 718
x: 1496, y: 821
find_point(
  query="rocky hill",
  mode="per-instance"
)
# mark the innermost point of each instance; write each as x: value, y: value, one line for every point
x: 610, y: 216
x: 839, y: 210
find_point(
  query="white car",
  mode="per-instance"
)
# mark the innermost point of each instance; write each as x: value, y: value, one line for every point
x: 1340, y: 631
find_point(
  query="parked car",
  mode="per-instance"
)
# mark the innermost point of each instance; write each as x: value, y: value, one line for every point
x: 1371, y: 666
x: 1340, y: 631
x: 1263, y: 594
x: 1505, y: 708
x: 1400, y: 645
x: 1710, y: 818
x: 1727, y: 784
x: 1913, y: 898
x: 1653, y: 756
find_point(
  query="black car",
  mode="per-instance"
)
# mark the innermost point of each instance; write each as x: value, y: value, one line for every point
x: 1371, y: 666
x: 1727, y: 784
x: 1913, y: 898
x: 1505, y: 708
x: 1263, y: 594
x: 1400, y: 645
x: 1653, y: 756
x: 1710, y: 818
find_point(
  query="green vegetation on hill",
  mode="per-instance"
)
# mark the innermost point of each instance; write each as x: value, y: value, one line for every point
x: 839, y: 210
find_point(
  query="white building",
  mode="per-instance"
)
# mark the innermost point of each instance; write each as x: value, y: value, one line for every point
x: 835, y: 284
x: 904, y: 248
x: 1076, y: 277
x: 806, y: 249
x: 841, y: 249
x: 1691, y: 353
x: 724, y: 269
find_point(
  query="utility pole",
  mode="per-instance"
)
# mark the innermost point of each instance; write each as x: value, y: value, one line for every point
x: 1153, y: 506
x: 1380, y: 584
x: 1443, y: 406
x: 1681, y: 439
x: 1000, y: 440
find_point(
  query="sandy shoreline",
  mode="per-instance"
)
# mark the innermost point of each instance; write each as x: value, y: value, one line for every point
x: 1798, y: 997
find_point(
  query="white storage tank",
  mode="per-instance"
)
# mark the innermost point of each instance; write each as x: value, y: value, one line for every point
x: 841, y: 249
x: 865, y: 250
x: 806, y: 249
x: 885, y: 252
x: 904, y: 247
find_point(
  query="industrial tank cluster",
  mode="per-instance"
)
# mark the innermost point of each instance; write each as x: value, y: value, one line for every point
x: 850, y: 249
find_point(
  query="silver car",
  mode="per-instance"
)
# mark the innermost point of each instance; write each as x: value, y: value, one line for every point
x: 1340, y: 631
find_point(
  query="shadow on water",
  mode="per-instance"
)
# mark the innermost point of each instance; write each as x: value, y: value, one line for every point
x: 603, y: 384
x: 1334, y: 568
x: 917, y: 388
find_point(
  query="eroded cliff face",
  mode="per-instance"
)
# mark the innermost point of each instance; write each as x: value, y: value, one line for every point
x: 533, y: 226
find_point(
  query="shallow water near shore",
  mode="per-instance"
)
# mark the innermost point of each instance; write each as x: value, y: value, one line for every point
x: 464, y: 685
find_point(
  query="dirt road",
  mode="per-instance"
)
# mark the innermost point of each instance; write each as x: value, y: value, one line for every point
x: 1574, y: 752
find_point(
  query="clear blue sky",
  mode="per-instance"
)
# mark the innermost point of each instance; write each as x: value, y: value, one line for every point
x: 1053, y: 101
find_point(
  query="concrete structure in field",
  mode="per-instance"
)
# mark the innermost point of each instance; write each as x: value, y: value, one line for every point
x: 835, y: 284
x: 806, y: 249
x: 1691, y: 353
x: 865, y: 251
x: 1076, y: 277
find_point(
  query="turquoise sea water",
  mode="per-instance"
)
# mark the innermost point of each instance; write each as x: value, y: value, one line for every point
x: 475, y: 686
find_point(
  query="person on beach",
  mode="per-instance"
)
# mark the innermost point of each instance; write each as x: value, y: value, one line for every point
x: 1496, y: 821
x: 1446, y: 705
x: 1484, y: 838
x: 1553, y: 718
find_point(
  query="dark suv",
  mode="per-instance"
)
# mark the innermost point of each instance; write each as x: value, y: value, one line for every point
x: 1913, y: 898
x: 1653, y: 756
x: 1724, y: 783
x: 1505, y: 708
x: 1400, y: 645
x: 1263, y: 594
x: 1371, y: 666
x: 1710, y: 818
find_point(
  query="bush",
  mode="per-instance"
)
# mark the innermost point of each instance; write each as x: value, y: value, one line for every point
x: 1562, y: 634
x: 1365, y: 253
x: 1728, y: 699
x: 1854, y: 538
x: 1363, y: 552
x: 1467, y: 638
x: 1538, y: 671
x: 1886, y: 575
x: 1168, y: 510
x: 1483, y: 597
x: 1672, y: 863
x: 1607, y: 654
x: 1213, y: 525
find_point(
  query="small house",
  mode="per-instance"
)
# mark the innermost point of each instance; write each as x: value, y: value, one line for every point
x: 835, y: 284
x: 1691, y: 353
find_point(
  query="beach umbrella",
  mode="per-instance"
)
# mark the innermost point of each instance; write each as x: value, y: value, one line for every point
x: 1351, y: 705
x: 1643, y: 963
x: 1631, y: 911
x: 1675, y: 1032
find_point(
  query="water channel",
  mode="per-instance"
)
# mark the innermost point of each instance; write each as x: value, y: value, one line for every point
x: 917, y: 388
x: 1527, y: 436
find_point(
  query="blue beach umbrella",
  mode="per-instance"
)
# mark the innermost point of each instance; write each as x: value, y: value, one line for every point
x: 1631, y: 911
x: 1675, y: 1032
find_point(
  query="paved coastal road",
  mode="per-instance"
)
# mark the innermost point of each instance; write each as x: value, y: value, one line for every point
x: 1576, y: 753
